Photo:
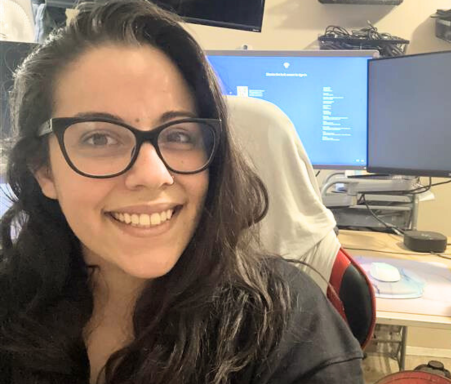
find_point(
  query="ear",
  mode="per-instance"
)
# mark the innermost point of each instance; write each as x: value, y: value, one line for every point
x: 45, y: 180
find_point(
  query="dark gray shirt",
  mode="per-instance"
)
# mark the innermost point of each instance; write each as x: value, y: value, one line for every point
x: 318, y: 347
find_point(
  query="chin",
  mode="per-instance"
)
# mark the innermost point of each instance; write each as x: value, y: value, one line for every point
x: 149, y: 270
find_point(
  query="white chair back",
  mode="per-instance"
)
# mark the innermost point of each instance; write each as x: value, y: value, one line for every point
x: 297, y: 221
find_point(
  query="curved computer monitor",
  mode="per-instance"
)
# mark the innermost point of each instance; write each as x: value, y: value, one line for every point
x: 409, y: 128
x: 324, y: 93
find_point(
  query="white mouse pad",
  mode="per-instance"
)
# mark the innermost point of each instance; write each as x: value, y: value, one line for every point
x: 430, y: 281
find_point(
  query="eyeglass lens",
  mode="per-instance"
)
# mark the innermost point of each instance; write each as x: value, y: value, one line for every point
x: 101, y: 148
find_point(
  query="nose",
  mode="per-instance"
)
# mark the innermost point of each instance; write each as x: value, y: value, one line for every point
x: 148, y: 170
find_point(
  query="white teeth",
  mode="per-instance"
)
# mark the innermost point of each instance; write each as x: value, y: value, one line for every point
x: 143, y: 220
x: 127, y: 218
x: 155, y: 219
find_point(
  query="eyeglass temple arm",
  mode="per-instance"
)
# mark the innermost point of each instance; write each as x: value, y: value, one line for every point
x: 45, y: 128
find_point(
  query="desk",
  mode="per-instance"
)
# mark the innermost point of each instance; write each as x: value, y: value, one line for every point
x: 383, y: 245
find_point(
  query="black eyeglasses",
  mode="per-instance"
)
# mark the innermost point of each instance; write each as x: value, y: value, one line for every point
x: 101, y: 148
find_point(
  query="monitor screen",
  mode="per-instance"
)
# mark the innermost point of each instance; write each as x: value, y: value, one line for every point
x: 237, y: 14
x: 5, y: 202
x: 324, y: 93
x: 409, y: 129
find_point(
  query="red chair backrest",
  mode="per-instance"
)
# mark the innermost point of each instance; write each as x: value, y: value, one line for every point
x: 356, y: 301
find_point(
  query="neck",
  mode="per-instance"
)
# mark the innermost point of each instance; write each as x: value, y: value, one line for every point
x: 115, y: 292
x: 110, y: 327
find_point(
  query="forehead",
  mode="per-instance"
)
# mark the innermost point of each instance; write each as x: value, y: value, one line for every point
x: 136, y: 83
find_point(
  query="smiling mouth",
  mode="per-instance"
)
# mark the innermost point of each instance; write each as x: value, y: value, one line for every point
x: 144, y: 220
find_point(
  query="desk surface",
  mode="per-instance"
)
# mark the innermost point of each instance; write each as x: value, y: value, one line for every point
x: 391, y: 246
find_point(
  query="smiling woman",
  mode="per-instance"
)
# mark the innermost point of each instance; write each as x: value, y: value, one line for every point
x: 134, y: 171
x: 133, y: 263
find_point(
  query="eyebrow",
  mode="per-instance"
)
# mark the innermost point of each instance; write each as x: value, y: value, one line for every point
x: 169, y: 115
x: 174, y: 114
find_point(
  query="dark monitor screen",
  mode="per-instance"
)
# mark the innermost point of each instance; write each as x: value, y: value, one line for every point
x: 409, y: 128
x: 237, y: 14
x: 324, y: 93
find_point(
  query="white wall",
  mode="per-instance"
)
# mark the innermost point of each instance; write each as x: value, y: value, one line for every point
x: 296, y: 24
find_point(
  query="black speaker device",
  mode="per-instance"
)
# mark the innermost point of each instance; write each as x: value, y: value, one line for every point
x: 425, y: 241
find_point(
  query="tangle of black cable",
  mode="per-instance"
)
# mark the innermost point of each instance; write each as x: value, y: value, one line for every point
x: 365, y: 38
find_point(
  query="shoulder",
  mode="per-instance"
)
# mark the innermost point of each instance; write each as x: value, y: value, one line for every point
x: 316, y: 341
x: 302, y: 287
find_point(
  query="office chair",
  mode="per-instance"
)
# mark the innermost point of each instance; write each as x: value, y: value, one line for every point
x: 355, y: 291
x: 413, y: 377
x: 298, y: 225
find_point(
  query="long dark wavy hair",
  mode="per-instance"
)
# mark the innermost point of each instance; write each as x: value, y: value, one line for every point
x: 222, y: 308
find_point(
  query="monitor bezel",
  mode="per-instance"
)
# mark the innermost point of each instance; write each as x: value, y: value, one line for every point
x: 293, y: 53
x: 304, y: 53
x: 224, y: 24
x: 398, y: 170
x: 193, y: 20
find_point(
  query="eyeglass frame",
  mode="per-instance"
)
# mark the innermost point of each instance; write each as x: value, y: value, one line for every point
x: 59, y: 125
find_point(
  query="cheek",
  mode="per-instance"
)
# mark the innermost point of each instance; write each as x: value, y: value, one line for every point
x: 198, y: 188
x: 80, y: 197
x: 81, y: 203
x: 195, y: 187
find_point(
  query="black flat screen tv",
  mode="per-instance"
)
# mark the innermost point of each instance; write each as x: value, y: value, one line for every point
x: 237, y: 14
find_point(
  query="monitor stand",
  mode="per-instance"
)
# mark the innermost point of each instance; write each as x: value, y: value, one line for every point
x: 342, y: 194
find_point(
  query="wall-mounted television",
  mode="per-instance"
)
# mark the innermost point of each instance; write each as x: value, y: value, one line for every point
x: 237, y: 14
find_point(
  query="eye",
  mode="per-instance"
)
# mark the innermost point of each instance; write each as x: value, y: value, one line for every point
x: 100, y: 139
x: 186, y: 136
x: 178, y: 137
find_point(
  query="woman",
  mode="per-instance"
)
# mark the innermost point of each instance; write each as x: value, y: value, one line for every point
x: 131, y: 265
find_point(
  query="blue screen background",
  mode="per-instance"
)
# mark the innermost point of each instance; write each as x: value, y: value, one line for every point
x: 302, y: 89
